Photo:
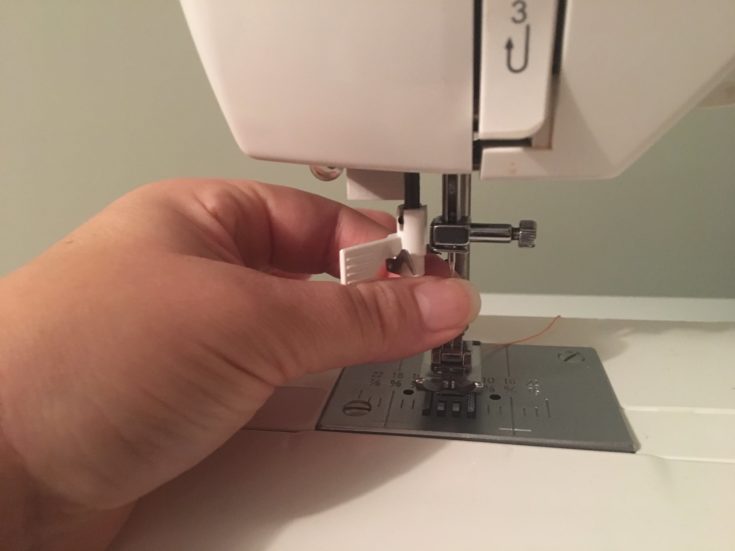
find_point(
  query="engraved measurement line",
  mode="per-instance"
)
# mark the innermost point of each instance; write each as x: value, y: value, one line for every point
x: 390, y: 404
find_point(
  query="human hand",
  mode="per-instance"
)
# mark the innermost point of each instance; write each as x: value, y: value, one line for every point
x: 139, y: 344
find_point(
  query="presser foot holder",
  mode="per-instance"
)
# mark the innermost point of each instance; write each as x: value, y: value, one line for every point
x: 534, y: 395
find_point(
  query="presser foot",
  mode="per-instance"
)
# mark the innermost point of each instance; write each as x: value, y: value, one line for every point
x: 455, y: 369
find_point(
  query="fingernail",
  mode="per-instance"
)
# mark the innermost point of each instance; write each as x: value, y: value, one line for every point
x: 447, y: 303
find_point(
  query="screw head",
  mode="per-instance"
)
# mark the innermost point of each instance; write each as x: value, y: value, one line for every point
x: 325, y: 173
x: 525, y: 233
x: 357, y: 408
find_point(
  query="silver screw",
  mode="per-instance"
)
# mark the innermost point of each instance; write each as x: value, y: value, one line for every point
x: 526, y: 233
x: 357, y: 408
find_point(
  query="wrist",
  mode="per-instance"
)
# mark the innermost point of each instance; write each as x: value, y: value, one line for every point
x: 34, y: 518
x: 16, y: 498
x: 33, y: 515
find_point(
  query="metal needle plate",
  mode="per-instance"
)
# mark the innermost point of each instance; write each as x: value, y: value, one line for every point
x: 535, y: 395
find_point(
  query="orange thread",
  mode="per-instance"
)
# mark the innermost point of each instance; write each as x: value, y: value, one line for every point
x: 534, y: 336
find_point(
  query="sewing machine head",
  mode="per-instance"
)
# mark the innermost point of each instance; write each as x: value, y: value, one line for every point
x: 507, y: 89
x: 548, y: 89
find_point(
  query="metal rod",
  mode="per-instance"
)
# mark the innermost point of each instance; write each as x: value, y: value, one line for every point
x: 450, y: 192
x: 451, y: 363
x: 411, y: 191
x: 456, y: 190
x: 491, y: 233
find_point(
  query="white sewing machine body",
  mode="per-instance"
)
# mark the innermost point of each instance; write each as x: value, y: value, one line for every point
x: 390, y: 85
x: 303, y: 489
x: 536, y: 89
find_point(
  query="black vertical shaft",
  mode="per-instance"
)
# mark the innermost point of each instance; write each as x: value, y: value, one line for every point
x: 411, y: 190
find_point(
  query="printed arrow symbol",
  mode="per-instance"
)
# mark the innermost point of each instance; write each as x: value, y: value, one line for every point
x: 509, y: 46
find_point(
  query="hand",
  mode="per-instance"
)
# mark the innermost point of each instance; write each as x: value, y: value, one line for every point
x: 140, y: 343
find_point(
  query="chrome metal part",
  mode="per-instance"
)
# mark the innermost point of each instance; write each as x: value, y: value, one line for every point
x: 456, y: 190
x: 452, y: 233
x: 448, y: 237
x: 401, y: 264
x: 451, y: 363
x: 450, y: 367
x: 524, y: 234
x: 535, y: 395
x: 491, y: 233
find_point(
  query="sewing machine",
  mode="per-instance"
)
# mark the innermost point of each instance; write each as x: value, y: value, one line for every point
x: 492, y: 89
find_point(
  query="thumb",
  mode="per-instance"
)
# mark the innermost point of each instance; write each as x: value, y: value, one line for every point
x: 331, y: 325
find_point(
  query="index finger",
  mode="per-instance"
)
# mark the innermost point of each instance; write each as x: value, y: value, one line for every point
x: 295, y: 231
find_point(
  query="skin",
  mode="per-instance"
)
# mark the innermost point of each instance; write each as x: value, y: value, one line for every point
x: 136, y: 346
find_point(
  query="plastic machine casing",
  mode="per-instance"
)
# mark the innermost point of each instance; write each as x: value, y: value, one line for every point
x: 394, y: 85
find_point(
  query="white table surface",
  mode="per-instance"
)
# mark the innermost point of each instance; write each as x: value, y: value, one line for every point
x: 304, y: 490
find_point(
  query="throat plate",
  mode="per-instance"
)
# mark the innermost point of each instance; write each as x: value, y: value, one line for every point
x: 536, y: 395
